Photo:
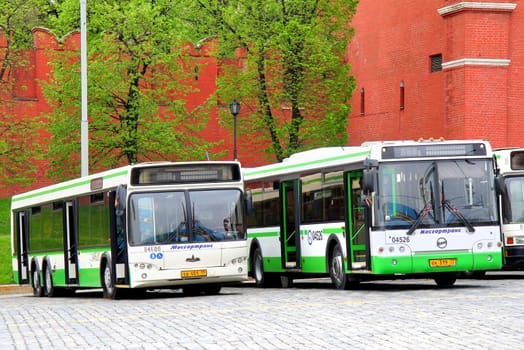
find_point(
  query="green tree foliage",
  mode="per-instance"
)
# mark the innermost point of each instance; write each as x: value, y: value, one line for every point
x: 18, y: 136
x: 137, y: 87
x: 295, y: 84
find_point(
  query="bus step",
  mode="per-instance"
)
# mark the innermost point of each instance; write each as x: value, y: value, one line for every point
x: 358, y: 265
x: 291, y: 264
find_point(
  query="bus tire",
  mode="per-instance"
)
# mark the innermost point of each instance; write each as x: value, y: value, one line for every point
x: 38, y: 291
x: 258, y: 268
x: 108, y: 282
x: 213, y: 289
x: 263, y: 279
x: 49, y: 288
x: 445, y: 281
x: 195, y: 290
x: 336, y: 270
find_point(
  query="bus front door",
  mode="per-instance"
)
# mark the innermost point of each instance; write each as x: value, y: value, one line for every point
x: 22, y: 247
x: 71, y: 243
x: 358, y: 242
x: 290, y: 224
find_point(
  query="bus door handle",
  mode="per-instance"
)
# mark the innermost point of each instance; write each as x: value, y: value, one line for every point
x: 193, y: 259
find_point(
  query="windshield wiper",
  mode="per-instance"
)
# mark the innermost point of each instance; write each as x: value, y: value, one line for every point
x: 420, y: 217
x: 458, y: 214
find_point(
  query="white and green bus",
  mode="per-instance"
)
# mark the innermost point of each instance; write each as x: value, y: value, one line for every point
x: 382, y: 210
x: 145, y: 226
x: 511, y: 167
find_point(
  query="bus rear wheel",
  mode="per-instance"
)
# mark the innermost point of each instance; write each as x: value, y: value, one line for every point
x: 38, y: 291
x: 50, y: 290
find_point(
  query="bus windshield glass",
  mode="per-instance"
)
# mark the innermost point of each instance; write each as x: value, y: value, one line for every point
x: 513, y: 200
x: 186, y: 217
x: 436, y: 193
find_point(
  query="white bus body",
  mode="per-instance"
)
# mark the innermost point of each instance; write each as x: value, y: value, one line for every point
x: 144, y: 226
x: 379, y: 210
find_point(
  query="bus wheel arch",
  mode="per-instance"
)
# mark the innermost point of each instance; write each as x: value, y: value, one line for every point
x: 107, y: 280
x: 36, y: 283
x: 330, y: 247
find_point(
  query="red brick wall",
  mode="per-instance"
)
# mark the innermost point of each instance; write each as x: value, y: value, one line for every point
x: 477, y: 99
x: 29, y: 101
x: 393, y: 42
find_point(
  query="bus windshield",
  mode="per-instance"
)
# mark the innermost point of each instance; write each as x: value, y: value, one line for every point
x: 436, y: 193
x: 186, y: 217
x: 513, y: 200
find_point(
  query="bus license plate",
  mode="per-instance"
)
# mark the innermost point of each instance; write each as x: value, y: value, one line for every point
x: 442, y: 262
x: 194, y: 273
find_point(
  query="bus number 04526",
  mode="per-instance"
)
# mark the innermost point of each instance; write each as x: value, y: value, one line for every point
x: 399, y: 239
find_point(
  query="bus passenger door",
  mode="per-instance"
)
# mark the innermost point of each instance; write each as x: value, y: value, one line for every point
x: 118, y: 236
x: 71, y: 243
x: 356, y: 229
x: 290, y: 223
x: 22, y: 246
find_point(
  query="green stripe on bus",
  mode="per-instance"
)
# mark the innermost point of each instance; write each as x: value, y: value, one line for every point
x: 332, y: 230
x: 66, y: 187
x: 325, y: 160
x: 388, y: 265
x: 262, y: 234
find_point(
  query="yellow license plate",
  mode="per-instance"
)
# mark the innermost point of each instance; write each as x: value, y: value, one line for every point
x: 194, y: 273
x: 442, y: 262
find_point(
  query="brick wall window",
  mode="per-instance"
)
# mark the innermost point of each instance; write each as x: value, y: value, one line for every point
x: 362, y: 101
x: 436, y: 63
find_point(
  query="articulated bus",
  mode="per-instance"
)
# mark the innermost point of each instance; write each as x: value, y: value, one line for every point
x: 511, y: 167
x: 382, y: 210
x: 141, y: 227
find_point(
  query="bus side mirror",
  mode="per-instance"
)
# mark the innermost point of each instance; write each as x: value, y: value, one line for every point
x: 369, y: 176
x: 248, y: 203
x: 500, y: 187
x: 368, y: 180
x: 120, y: 200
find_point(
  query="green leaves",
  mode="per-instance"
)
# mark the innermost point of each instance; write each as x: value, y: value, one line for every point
x: 294, y: 80
x: 137, y: 88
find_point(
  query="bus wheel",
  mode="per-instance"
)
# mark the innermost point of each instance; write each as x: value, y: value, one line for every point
x: 445, y: 281
x: 192, y: 291
x: 336, y: 270
x: 212, y: 289
x: 38, y: 291
x: 258, y: 268
x: 108, y: 287
x: 263, y: 279
x: 48, y: 282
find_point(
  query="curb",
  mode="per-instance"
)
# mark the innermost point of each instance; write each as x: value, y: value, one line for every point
x: 15, y: 289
